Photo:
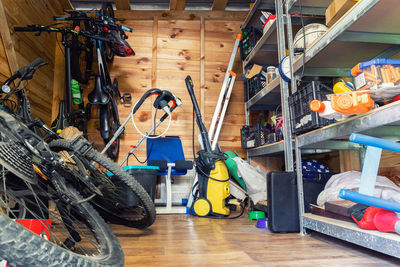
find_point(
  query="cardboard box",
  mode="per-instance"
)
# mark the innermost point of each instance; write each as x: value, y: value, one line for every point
x: 337, y: 9
x: 255, y: 69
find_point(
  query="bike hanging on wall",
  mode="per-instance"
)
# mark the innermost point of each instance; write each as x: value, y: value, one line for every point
x: 108, y: 38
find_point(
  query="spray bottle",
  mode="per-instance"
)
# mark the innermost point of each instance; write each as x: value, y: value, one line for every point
x: 325, y: 110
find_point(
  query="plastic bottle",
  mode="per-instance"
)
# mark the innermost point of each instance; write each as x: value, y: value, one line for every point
x: 325, y: 110
x: 76, y: 92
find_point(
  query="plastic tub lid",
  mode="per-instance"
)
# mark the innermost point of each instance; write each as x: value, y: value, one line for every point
x: 140, y: 167
x: 136, y: 167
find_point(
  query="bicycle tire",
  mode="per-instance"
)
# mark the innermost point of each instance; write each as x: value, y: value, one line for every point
x: 108, y: 11
x: 114, y: 124
x: 19, y: 246
x: 125, y: 181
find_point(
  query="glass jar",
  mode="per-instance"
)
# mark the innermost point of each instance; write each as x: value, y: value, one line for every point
x: 271, y: 74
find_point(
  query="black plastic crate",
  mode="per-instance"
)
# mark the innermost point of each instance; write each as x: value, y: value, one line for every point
x: 255, y: 85
x: 249, y: 39
x: 302, y: 118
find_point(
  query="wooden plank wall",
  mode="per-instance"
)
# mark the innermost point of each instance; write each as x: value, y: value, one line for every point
x: 4, y: 68
x: 164, y: 61
x: 28, y: 47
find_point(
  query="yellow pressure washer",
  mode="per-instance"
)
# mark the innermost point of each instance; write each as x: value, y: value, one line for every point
x: 213, y: 175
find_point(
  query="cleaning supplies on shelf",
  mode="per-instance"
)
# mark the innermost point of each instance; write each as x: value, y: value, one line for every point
x: 325, y: 110
x: 342, y: 87
x: 352, y: 103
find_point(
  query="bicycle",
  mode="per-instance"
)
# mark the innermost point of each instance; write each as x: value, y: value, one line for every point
x: 89, y: 175
x: 105, y: 93
x: 34, y: 185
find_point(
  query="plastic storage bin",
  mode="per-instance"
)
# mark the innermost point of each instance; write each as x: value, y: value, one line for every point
x: 380, y: 76
x: 147, y: 177
x: 302, y: 118
x: 255, y: 85
x: 250, y: 38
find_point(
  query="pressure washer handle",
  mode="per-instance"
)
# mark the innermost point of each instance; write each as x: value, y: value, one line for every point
x: 200, y: 124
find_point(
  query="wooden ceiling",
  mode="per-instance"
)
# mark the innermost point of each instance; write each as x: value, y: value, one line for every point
x: 217, y: 5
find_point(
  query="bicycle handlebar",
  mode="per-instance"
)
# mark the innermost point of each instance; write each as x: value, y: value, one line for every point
x: 25, y: 29
x: 41, y: 28
x: 77, y: 17
x: 24, y: 73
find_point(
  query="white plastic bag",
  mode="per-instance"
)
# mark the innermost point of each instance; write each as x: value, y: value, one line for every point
x: 384, y: 188
x: 255, y: 179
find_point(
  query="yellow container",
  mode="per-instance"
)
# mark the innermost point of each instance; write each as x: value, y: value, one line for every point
x: 341, y: 87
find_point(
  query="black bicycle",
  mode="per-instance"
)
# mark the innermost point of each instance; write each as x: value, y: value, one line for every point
x: 106, y: 93
x: 34, y: 185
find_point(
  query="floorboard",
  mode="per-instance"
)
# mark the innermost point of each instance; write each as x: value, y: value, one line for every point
x: 183, y: 240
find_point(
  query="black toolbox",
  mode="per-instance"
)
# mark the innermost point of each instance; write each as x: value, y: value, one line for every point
x: 283, y: 209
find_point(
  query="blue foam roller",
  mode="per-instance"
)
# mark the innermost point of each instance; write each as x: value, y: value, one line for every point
x: 369, y: 200
x: 373, y: 141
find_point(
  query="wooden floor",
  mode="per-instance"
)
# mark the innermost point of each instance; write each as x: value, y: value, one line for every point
x: 183, y: 240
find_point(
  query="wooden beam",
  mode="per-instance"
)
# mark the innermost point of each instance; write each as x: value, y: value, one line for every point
x: 154, y: 62
x: 122, y: 4
x: 7, y: 41
x: 66, y: 4
x: 154, y: 53
x: 202, y: 66
x: 219, y: 4
x: 182, y: 15
x: 177, y: 4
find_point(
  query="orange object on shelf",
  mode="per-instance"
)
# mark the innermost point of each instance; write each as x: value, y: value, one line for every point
x: 352, y: 103
x: 317, y: 106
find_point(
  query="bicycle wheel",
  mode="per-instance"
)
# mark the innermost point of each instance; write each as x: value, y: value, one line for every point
x: 114, y: 124
x: 71, y: 231
x: 108, y: 11
x: 112, y: 204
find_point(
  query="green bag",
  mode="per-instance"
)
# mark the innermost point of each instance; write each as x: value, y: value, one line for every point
x: 233, y: 169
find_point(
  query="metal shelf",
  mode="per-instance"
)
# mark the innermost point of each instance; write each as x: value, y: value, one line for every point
x: 388, y: 243
x: 265, y: 52
x: 354, y: 38
x: 267, y: 149
x: 269, y: 97
x: 258, y: 5
x: 309, y: 7
x: 385, y: 115
x: 324, y: 147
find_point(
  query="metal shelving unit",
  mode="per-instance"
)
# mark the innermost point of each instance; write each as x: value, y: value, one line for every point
x: 269, y: 50
x: 356, y: 37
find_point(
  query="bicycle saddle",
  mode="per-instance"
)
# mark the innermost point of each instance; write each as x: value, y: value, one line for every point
x: 98, y: 96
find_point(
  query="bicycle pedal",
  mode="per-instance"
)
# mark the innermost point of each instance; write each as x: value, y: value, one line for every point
x: 126, y: 99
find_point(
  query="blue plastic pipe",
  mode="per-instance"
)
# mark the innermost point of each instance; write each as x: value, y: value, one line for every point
x: 369, y: 200
x: 373, y: 141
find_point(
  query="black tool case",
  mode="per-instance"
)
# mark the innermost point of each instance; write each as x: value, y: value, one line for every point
x: 283, y: 209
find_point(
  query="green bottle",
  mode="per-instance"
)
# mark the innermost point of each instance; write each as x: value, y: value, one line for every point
x: 76, y: 92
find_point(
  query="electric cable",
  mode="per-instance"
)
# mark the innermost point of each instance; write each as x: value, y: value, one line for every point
x: 147, y: 136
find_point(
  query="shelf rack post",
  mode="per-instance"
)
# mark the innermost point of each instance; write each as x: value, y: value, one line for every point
x: 287, y: 133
